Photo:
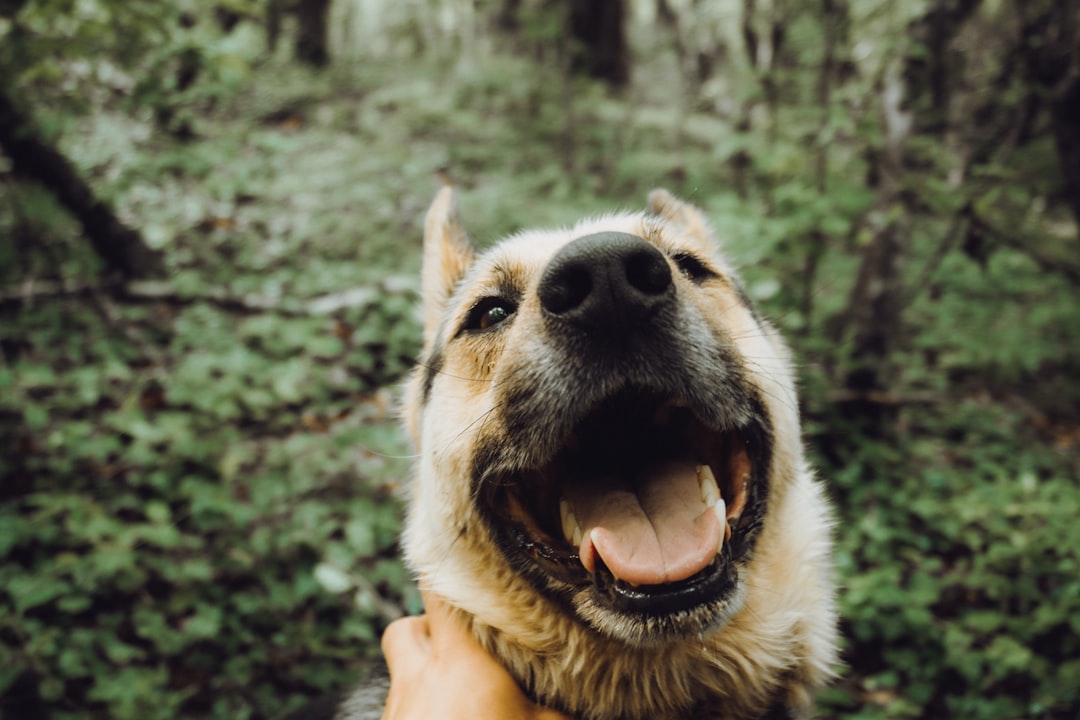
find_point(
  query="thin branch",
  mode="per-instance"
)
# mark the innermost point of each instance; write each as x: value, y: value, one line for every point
x: 1071, y: 271
x: 958, y: 225
x: 100, y: 302
x: 881, y: 397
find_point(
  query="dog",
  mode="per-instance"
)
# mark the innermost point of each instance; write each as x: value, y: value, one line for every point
x: 611, y: 488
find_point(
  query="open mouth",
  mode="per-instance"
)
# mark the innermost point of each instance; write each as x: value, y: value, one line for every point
x: 645, y: 506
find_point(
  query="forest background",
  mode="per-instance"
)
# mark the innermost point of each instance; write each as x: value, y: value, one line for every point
x: 209, y: 237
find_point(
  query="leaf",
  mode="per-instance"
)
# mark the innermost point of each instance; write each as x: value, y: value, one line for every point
x: 332, y: 579
x: 31, y: 591
x: 360, y: 534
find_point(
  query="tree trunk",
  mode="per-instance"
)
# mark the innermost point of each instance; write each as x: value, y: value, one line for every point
x: 835, y: 66
x: 915, y: 100
x: 874, y: 310
x: 1050, y: 37
x: 598, y: 29
x: 764, y: 33
x: 120, y: 247
x: 507, y: 18
x: 1065, y: 110
x: 275, y: 11
x: 931, y: 68
x: 312, y: 37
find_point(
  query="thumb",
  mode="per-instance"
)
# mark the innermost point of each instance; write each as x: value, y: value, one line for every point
x: 406, y: 644
x: 438, y: 614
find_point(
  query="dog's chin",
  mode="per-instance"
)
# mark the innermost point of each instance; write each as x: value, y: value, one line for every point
x: 645, y: 630
x: 641, y: 520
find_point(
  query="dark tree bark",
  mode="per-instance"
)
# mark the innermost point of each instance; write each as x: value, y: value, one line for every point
x: 189, y: 66
x: 1065, y: 110
x: 876, y: 303
x: 932, y: 69
x: 507, y: 19
x: 749, y: 34
x: 836, y: 63
x: 835, y: 67
x: 1051, y: 50
x: 312, y: 39
x: 275, y: 11
x: 120, y: 247
x: 598, y: 29
x: 914, y: 101
x: 11, y: 8
x: 764, y: 33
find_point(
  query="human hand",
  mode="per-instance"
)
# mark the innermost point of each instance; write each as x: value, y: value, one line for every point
x: 438, y: 670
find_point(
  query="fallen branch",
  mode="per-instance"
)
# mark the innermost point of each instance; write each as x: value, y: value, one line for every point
x: 881, y: 397
x: 1062, y: 264
x: 144, y: 291
x: 121, y: 248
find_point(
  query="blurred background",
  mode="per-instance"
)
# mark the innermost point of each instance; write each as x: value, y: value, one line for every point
x: 210, y: 217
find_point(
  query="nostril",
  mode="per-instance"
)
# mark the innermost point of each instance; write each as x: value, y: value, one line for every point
x: 606, y: 281
x: 567, y: 289
x: 647, y: 271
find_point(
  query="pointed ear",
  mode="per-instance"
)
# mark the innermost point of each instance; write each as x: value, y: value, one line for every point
x: 447, y: 255
x: 687, y: 217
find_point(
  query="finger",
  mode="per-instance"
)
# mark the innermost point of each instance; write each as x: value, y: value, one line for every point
x: 450, y: 632
x: 406, y: 644
x: 439, y: 615
x: 444, y: 627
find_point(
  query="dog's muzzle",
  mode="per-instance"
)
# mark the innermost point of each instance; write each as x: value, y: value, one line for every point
x: 649, y: 458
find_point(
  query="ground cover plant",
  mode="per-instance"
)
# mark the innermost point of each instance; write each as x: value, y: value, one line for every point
x: 199, y: 459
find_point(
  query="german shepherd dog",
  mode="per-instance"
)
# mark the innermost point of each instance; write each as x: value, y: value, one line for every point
x: 611, y: 488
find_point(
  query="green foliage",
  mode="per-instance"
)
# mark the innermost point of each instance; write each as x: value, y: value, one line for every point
x: 163, y: 525
x: 967, y: 559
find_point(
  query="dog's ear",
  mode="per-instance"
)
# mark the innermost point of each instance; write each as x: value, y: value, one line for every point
x: 447, y: 256
x: 687, y: 217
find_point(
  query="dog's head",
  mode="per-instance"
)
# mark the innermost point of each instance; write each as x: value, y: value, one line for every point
x: 596, y: 411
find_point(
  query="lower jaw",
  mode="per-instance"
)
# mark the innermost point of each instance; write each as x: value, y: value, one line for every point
x: 656, y: 632
x: 647, y: 622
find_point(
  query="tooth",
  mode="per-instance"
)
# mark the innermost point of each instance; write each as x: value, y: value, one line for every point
x: 710, y: 492
x: 720, y: 509
x: 570, y: 528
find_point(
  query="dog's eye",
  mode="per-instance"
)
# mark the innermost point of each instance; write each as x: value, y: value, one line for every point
x: 488, y: 313
x: 692, y: 268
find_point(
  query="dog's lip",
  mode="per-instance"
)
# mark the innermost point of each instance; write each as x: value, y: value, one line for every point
x: 529, y: 502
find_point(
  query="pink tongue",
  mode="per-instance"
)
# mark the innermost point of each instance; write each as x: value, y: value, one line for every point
x: 661, y: 532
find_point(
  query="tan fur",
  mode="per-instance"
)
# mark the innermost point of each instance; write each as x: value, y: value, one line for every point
x: 779, y: 644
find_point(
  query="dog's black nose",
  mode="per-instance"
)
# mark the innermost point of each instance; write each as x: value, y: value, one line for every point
x: 608, y: 280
